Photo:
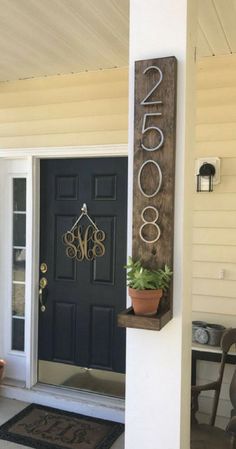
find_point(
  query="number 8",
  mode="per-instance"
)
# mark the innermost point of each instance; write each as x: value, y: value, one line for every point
x: 151, y: 222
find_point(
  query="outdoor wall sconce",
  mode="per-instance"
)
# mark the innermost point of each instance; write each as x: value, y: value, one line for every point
x: 207, y: 174
x: 207, y: 171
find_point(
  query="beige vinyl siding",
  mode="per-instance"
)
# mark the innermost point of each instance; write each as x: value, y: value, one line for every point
x: 214, y: 219
x: 89, y: 108
x: 214, y: 233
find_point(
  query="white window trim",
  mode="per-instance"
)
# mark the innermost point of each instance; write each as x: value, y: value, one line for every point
x: 9, y: 243
x: 8, y: 173
x: 111, y: 150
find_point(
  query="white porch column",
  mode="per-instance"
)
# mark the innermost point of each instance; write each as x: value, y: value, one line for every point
x: 158, y: 363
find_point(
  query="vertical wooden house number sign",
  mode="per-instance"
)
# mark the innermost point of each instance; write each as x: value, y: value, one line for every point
x: 154, y: 161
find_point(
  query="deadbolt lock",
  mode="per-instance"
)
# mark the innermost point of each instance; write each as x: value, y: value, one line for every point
x: 43, y: 267
x: 43, y: 282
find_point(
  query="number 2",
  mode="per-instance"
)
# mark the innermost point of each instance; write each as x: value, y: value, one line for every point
x: 145, y: 102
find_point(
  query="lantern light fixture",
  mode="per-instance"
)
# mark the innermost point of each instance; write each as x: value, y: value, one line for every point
x: 207, y: 172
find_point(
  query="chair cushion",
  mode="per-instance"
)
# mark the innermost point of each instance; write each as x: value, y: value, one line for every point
x: 204, y: 436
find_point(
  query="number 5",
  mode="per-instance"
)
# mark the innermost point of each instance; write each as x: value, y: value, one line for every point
x: 149, y: 128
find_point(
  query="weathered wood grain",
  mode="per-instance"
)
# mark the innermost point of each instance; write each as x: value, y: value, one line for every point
x: 155, y: 323
x: 157, y: 254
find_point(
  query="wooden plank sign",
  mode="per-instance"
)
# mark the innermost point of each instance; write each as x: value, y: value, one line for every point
x: 154, y: 161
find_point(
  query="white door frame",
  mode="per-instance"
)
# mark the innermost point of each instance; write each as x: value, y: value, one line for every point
x: 33, y: 156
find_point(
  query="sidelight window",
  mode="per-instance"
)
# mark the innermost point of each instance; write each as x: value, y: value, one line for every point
x: 18, y: 263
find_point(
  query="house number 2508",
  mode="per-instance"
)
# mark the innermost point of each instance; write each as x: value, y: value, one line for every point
x: 146, y: 102
x: 160, y: 139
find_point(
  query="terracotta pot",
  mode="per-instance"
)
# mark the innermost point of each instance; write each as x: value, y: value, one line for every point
x: 2, y: 364
x: 145, y: 302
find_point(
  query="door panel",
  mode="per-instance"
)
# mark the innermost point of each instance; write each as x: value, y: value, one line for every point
x: 83, y: 298
x: 104, y: 267
x: 64, y: 268
x: 64, y: 332
x: 102, y: 324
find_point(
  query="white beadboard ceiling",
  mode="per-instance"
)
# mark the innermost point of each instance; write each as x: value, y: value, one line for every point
x: 46, y: 37
x: 216, y: 27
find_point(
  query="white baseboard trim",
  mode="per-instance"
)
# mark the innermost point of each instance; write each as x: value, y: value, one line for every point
x: 88, y: 404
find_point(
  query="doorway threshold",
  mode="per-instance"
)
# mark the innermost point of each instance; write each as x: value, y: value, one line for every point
x: 91, y: 380
x: 89, y: 404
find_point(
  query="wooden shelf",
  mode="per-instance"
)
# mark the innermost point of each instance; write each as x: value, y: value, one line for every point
x: 126, y: 318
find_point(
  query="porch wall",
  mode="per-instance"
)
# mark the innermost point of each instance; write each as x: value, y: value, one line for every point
x: 89, y: 108
x: 214, y: 234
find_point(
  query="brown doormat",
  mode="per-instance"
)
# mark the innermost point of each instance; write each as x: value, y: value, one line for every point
x: 49, y: 428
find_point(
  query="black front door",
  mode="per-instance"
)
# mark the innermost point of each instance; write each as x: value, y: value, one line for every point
x: 82, y: 299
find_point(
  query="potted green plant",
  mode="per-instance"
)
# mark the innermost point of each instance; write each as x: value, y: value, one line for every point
x: 146, y: 286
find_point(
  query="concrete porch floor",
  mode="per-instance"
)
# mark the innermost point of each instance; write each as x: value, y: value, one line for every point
x: 10, y: 407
